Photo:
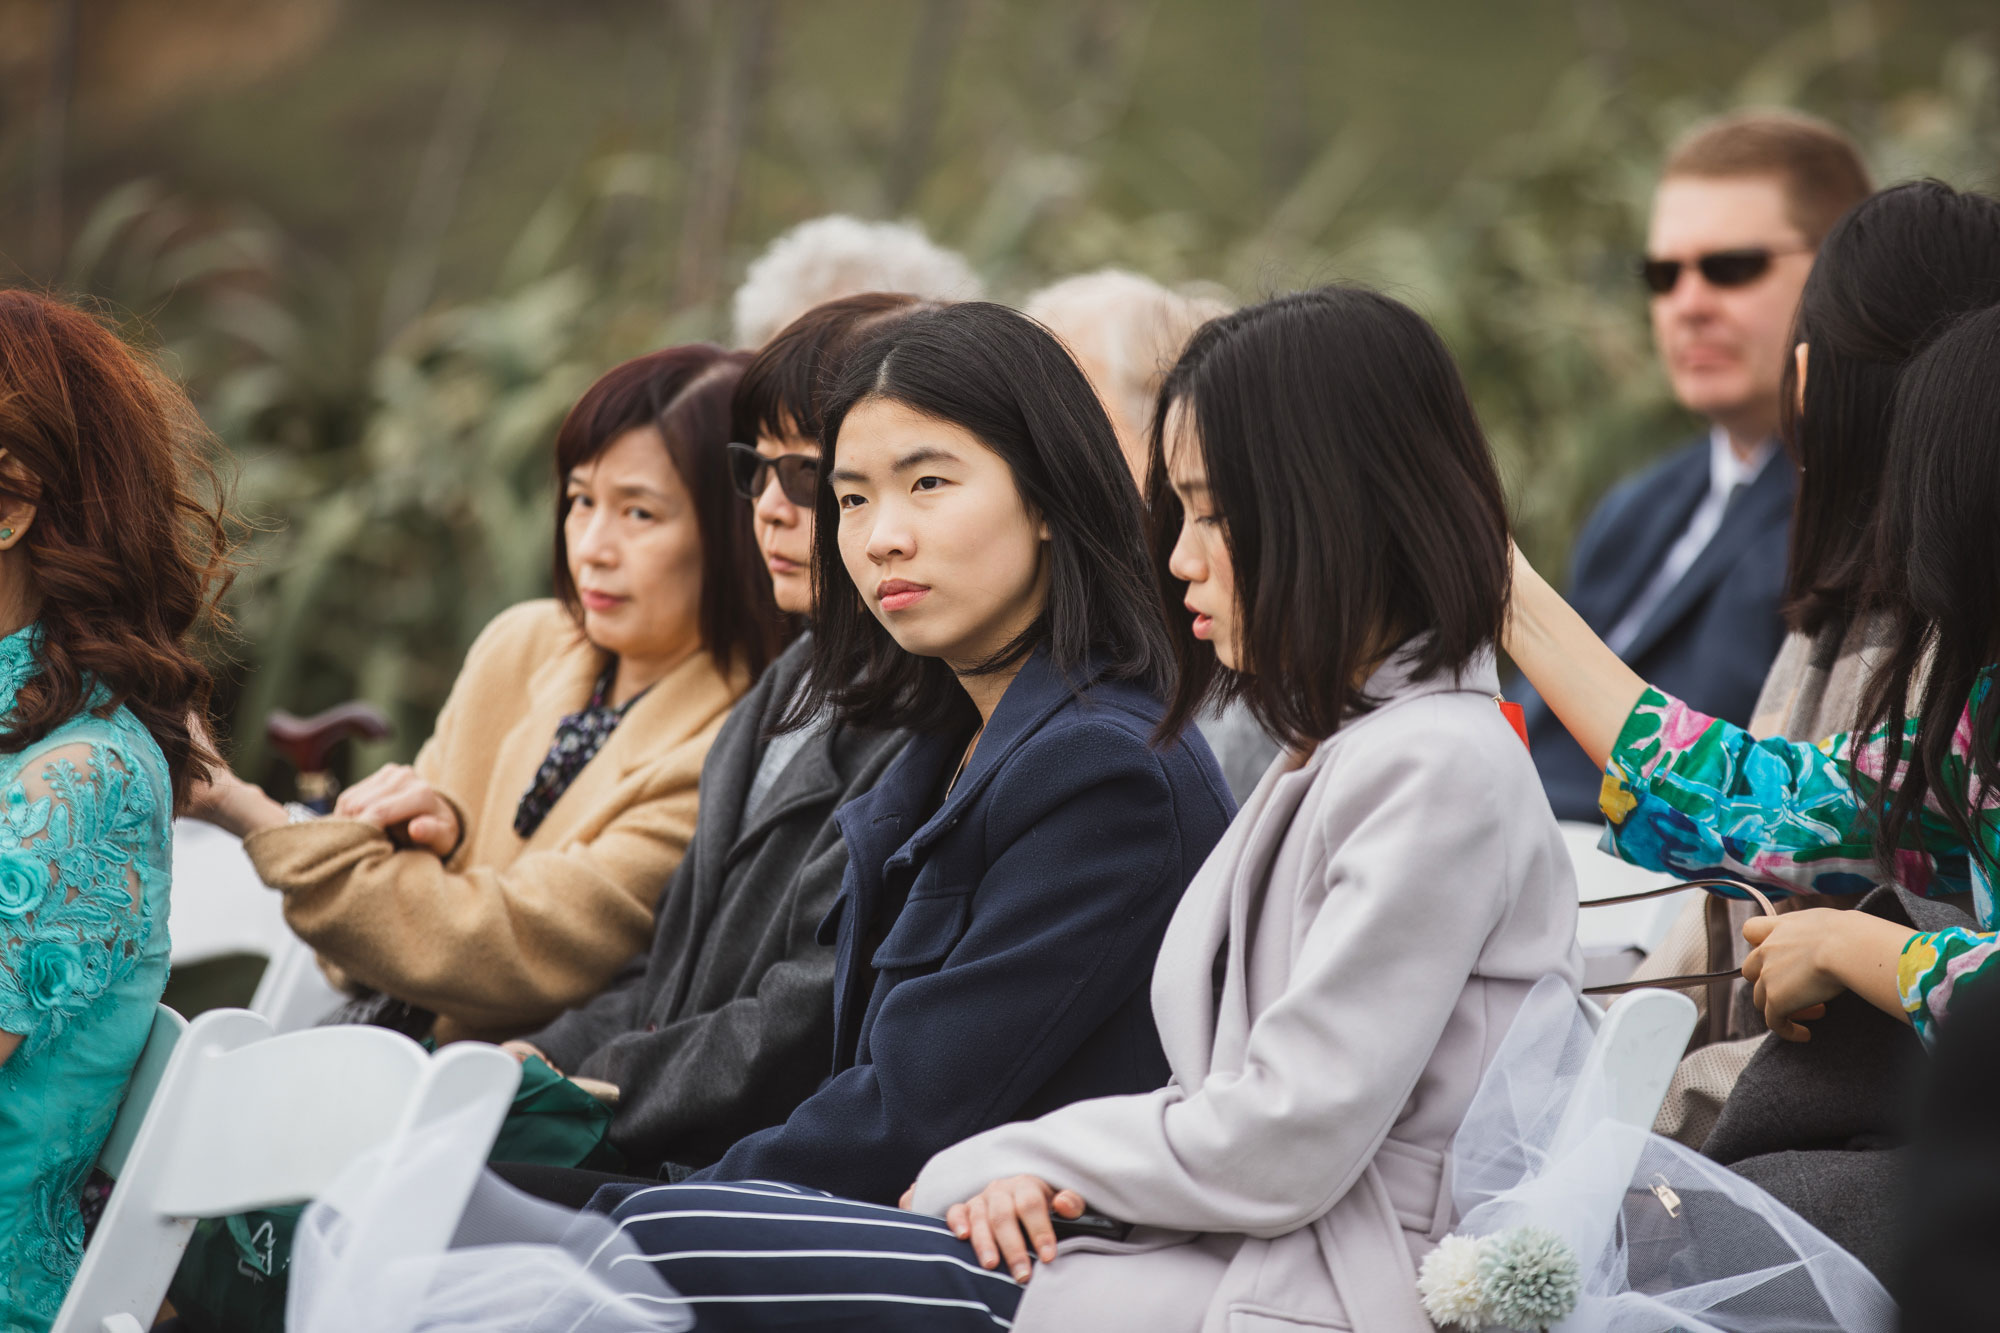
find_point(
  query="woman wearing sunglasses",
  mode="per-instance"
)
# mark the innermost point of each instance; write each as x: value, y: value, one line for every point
x: 513, y: 868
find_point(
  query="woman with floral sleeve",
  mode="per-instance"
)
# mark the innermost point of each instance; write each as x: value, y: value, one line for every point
x: 1911, y: 795
x: 108, y: 559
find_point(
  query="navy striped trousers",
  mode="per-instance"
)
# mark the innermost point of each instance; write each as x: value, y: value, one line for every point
x: 759, y: 1255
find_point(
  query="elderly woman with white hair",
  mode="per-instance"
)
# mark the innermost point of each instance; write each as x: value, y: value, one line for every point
x: 1126, y: 331
x: 835, y: 256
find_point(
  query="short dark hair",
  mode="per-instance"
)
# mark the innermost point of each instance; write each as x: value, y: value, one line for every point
x: 996, y: 373
x: 1359, y: 500
x: 1890, y: 277
x: 782, y: 387
x: 1818, y: 167
x: 685, y: 393
x: 1938, y: 543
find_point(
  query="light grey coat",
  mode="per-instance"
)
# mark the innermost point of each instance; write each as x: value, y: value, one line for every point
x: 1379, y: 914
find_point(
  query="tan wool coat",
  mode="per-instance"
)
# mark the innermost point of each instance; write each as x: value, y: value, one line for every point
x: 509, y: 932
x: 1336, y: 978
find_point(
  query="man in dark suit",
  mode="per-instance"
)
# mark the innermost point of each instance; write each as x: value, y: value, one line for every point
x: 1681, y: 569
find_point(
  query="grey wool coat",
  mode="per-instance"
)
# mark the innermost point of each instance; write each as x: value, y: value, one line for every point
x: 727, y: 1024
x: 1332, y: 987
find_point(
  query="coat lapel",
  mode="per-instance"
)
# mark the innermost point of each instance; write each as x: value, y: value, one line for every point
x: 1034, y: 696
x: 679, y: 706
x: 558, y: 687
x: 1663, y: 515
x: 1749, y: 515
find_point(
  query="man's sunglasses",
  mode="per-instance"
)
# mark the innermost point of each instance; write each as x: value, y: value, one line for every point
x: 1719, y: 268
x: 798, y: 474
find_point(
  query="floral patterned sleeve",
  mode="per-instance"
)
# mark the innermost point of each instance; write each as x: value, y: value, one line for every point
x: 1691, y: 795
x: 71, y: 823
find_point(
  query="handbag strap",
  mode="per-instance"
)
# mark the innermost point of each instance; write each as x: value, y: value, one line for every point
x: 1764, y: 904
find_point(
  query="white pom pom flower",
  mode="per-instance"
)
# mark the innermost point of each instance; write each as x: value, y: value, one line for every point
x: 1450, y: 1285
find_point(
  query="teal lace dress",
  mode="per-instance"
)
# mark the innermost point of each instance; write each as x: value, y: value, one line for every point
x: 85, y: 849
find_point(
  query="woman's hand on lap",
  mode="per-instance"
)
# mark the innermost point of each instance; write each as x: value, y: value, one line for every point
x: 1010, y: 1219
x: 1801, y: 960
x: 394, y: 797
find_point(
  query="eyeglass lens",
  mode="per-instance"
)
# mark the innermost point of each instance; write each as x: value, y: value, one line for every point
x: 1722, y: 268
x: 798, y: 474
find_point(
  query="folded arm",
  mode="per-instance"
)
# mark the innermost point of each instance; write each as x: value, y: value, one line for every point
x: 492, y: 948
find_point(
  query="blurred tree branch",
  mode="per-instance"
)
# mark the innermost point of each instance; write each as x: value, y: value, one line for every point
x: 931, y: 59
x: 440, y: 176
x: 727, y: 125
x: 52, y: 146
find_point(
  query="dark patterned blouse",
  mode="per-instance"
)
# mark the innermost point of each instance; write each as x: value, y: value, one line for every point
x: 579, y: 737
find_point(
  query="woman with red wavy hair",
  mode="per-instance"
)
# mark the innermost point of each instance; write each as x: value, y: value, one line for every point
x: 108, y: 560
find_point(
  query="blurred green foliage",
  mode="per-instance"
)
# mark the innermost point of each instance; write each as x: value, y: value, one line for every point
x: 396, y: 470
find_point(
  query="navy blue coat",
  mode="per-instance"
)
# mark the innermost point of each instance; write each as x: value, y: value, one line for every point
x: 1711, y: 639
x: 1014, y: 979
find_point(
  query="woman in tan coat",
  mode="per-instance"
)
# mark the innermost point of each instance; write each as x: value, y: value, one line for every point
x: 509, y: 872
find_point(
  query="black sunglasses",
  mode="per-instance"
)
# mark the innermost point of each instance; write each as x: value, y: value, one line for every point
x: 1719, y: 268
x: 798, y: 474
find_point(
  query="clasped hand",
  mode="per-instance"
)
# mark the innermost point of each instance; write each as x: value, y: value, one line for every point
x: 394, y: 797
x: 1008, y: 1220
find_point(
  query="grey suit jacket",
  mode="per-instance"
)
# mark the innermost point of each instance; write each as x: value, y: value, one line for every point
x: 727, y: 1024
x: 1331, y: 988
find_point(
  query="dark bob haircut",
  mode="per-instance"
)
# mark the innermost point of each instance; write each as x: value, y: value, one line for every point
x: 782, y: 388
x: 1891, y: 276
x: 1938, y: 545
x: 685, y: 393
x: 1359, y: 501
x: 1005, y: 379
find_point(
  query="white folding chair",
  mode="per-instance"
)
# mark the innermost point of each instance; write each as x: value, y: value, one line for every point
x: 293, y: 993
x: 246, y: 1119
x: 1638, y: 1045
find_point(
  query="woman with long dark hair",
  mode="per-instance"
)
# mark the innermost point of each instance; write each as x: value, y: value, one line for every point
x: 110, y: 558
x: 1892, y: 274
x: 1906, y: 797
x: 512, y: 869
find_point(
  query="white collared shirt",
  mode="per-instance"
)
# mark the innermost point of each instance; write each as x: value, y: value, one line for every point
x: 1725, y: 473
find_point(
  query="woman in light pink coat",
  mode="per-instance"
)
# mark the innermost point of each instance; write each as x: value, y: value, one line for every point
x: 1344, y: 965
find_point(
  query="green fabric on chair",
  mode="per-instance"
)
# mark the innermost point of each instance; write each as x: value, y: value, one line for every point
x: 553, y: 1122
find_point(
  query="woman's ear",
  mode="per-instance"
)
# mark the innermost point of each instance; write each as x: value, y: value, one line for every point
x: 1799, y: 359
x: 17, y: 514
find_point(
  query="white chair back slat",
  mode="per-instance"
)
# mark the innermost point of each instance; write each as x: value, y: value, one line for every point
x: 1638, y: 1046
x: 243, y: 1118
x: 332, y: 1092
x: 168, y: 1028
